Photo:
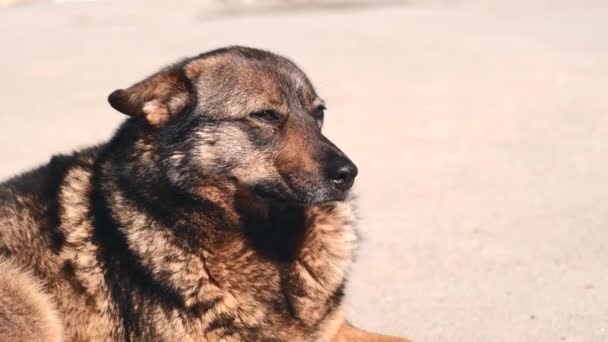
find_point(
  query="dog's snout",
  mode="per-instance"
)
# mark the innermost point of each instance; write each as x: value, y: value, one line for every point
x: 342, y: 172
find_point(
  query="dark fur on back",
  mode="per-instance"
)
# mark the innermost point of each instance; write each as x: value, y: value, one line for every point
x: 212, y: 214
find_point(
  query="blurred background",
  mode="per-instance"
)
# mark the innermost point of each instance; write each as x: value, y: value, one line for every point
x: 480, y: 129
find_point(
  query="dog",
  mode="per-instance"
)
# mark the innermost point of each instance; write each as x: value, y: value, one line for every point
x: 218, y: 211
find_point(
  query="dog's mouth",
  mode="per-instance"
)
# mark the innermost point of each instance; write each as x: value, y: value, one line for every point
x: 270, y: 192
x: 266, y: 191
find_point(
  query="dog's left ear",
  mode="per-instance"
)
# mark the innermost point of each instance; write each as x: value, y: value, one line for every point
x: 157, y: 98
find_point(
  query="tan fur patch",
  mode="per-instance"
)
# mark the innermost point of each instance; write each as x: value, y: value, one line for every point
x: 28, y: 314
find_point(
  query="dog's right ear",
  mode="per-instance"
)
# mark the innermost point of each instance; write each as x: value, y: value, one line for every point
x: 157, y: 98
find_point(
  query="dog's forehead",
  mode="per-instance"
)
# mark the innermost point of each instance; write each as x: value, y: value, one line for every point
x: 235, y: 83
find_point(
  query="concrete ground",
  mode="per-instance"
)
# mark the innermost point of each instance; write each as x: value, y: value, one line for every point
x: 480, y: 129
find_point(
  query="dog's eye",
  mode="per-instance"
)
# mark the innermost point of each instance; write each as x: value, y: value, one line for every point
x: 319, y: 115
x: 268, y: 115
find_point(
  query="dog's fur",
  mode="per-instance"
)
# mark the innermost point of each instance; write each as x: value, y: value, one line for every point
x: 209, y: 216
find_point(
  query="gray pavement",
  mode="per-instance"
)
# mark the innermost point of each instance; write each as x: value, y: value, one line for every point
x: 480, y: 129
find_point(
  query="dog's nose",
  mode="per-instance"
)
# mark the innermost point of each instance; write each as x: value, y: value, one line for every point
x: 342, y: 172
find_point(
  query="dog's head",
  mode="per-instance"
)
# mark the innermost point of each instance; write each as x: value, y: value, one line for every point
x: 244, y: 115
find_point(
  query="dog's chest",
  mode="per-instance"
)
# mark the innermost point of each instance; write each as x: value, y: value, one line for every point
x: 254, y: 295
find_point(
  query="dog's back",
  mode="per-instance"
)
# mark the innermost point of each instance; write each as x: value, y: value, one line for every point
x: 29, y: 213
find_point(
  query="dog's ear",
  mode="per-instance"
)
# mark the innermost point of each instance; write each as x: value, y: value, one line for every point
x: 157, y: 98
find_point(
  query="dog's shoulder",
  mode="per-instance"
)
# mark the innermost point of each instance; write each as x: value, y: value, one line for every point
x: 28, y: 314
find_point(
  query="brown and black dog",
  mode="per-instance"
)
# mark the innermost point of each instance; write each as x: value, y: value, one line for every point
x: 217, y: 212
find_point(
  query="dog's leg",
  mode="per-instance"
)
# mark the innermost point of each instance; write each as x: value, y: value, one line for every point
x: 27, y: 314
x: 348, y: 333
